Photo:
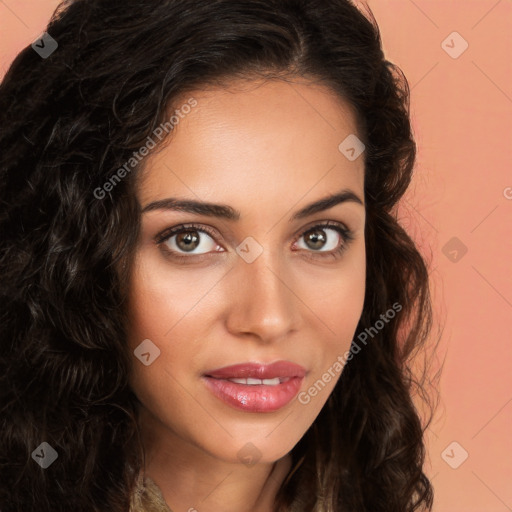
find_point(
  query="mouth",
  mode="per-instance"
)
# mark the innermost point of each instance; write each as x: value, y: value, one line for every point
x: 258, y: 382
x: 254, y: 387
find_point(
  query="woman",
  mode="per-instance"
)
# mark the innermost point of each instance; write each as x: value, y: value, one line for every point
x: 207, y: 300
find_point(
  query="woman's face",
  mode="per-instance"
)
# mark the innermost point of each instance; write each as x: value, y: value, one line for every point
x: 258, y: 286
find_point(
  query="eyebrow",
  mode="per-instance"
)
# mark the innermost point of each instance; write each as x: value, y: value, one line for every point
x: 223, y: 211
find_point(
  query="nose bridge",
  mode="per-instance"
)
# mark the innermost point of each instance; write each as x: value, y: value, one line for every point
x: 262, y: 302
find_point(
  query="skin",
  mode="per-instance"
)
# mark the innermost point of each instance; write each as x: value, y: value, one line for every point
x: 265, y: 148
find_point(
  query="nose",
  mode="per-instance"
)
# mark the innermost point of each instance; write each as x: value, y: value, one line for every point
x: 262, y: 302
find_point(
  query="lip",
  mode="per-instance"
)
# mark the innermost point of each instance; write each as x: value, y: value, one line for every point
x: 256, y: 397
x: 258, y: 371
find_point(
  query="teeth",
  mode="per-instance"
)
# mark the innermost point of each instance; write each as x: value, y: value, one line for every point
x: 239, y: 381
x: 256, y: 382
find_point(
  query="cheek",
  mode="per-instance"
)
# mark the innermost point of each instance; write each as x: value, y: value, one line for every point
x: 337, y: 301
x: 169, y: 309
x: 340, y: 309
x: 160, y: 299
x: 338, y: 297
x: 153, y: 311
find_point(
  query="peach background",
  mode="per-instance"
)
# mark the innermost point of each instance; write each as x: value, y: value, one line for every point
x: 462, y: 115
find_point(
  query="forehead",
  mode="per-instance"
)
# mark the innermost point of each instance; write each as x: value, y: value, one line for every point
x: 264, y: 140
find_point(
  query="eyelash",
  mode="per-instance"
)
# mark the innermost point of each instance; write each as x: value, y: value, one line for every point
x: 346, y: 235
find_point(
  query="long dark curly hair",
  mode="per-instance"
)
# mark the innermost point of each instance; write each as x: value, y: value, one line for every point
x: 67, y: 123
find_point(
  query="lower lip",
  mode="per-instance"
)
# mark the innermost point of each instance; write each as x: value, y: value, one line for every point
x: 258, y: 398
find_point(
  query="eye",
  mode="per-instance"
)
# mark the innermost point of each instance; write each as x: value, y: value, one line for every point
x: 188, y: 239
x: 185, y: 241
x: 330, y: 238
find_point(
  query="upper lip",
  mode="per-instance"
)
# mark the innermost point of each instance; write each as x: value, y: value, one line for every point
x: 279, y: 369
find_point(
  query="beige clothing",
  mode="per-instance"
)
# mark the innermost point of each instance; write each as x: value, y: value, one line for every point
x: 148, y: 497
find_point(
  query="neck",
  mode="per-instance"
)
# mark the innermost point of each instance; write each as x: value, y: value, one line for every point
x: 191, y: 479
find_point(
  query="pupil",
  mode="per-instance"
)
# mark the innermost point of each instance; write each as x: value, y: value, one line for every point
x: 315, y: 237
x: 189, y: 239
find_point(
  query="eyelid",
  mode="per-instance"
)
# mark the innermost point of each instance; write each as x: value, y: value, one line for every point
x: 320, y: 224
x: 167, y: 233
